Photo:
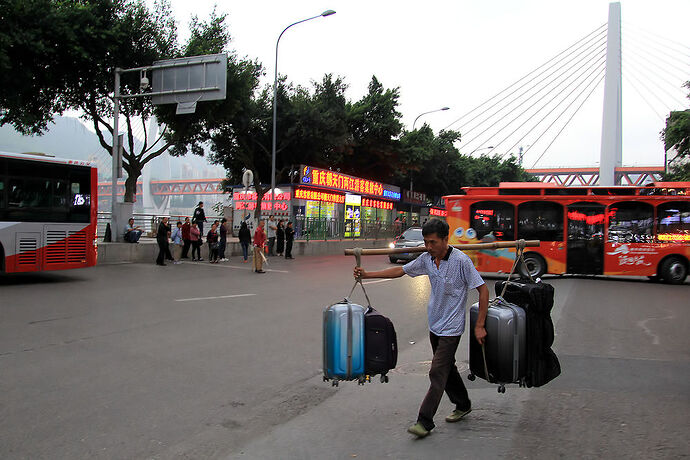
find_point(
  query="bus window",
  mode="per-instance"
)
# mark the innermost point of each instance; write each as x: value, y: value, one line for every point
x: 631, y: 222
x: 495, y: 217
x: 673, y: 222
x: 540, y: 220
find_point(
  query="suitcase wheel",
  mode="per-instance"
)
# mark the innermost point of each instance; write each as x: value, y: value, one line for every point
x: 384, y: 379
x: 471, y: 377
x: 361, y: 381
x: 334, y: 383
x: 501, y: 388
x: 325, y: 379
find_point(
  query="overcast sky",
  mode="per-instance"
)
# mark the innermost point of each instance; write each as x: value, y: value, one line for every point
x: 461, y: 53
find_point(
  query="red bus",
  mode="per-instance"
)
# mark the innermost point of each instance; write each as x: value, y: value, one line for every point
x: 641, y: 231
x: 48, y: 211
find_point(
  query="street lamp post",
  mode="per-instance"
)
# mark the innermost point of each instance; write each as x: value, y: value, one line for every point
x: 413, y: 124
x: 431, y: 111
x: 275, y: 105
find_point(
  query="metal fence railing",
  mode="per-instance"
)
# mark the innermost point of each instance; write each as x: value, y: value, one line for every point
x: 314, y: 228
x: 306, y: 228
x: 148, y: 222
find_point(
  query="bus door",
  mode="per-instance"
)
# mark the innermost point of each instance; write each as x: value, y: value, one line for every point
x: 586, y: 238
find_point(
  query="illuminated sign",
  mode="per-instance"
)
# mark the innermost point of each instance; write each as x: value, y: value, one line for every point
x: 265, y: 205
x: 438, y: 212
x: 333, y: 180
x: 246, y: 201
x: 370, y: 203
x: 315, y: 195
x: 485, y: 212
x: 391, y: 194
x: 589, y: 220
x: 251, y: 196
x: 673, y: 237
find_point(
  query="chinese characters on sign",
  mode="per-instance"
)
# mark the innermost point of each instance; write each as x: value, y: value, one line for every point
x: 438, y: 212
x: 331, y: 179
x: 247, y: 201
x: 315, y: 195
x: 369, y: 203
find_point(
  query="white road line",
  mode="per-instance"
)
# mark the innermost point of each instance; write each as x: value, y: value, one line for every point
x: 378, y: 281
x: 235, y: 267
x: 214, y: 298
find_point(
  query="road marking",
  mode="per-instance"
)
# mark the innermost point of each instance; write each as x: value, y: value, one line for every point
x: 378, y: 281
x: 214, y: 298
x: 235, y: 267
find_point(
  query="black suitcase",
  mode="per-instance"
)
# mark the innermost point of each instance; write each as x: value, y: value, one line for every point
x: 380, y: 344
x: 537, y: 301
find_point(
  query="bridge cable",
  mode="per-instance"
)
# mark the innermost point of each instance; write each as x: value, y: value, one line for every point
x: 601, y: 39
x: 586, y: 58
x: 654, y: 110
x: 567, y: 122
x: 586, y: 37
x: 600, y: 67
x: 639, y: 51
x: 653, y: 34
x: 678, y: 98
x: 592, y: 64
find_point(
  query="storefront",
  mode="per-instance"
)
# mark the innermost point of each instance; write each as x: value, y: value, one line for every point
x: 358, y: 203
x: 343, y: 205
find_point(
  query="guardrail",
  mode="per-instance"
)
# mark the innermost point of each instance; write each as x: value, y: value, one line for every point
x: 306, y: 228
x: 148, y: 222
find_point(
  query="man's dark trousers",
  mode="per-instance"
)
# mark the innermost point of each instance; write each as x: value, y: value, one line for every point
x: 444, y: 376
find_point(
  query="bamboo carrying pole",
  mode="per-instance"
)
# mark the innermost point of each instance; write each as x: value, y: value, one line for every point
x: 462, y: 247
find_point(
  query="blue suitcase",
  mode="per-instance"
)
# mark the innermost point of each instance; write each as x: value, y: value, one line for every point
x: 343, y: 342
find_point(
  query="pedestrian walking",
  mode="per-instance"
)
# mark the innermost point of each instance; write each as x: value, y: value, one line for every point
x: 186, y: 238
x: 176, y: 238
x: 289, y: 237
x: 199, y: 216
x: 259, y: 243
x: 245, y: 239
x: 222, y: 239
x: 195, y: 237
x: 451, y: 274
x: 162, y: 240
x: 271, y: 234
x: 212, y: 240
x: 280, y: 237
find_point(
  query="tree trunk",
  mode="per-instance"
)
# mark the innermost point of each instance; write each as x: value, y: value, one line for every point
x: 133, y: 175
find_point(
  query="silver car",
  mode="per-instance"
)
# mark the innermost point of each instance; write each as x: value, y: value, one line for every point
x: 411, y: 238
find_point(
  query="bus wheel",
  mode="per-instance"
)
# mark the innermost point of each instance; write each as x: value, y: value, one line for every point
x: 535, y: 264
x: 674, y: 270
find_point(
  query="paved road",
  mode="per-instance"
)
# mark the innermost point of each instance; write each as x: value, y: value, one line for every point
x: 214, y: 361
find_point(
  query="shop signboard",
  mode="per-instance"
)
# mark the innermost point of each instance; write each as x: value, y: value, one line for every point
x: 332, y: 180
x: 417, y: 198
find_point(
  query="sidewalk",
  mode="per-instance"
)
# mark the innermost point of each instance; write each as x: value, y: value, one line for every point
x: 147, y: 249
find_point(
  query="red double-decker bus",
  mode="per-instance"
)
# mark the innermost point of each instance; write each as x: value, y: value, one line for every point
x: 641, y: 231
x: 48, y: 212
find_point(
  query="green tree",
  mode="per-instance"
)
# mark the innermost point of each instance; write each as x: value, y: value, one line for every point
x: 58, y: 55
x: 374, y: 128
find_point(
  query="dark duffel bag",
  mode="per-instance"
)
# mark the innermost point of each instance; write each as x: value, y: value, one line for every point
x: 537, y: 301
x: 380, y: 344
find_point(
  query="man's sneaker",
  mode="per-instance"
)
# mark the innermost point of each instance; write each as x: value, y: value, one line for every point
x: 456, y: 415
x: 418, y: 430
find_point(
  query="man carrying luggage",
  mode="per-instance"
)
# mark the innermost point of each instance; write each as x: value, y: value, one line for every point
x: 451, y: 274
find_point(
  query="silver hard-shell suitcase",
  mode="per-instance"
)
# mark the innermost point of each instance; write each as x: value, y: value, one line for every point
x: 504, y: 355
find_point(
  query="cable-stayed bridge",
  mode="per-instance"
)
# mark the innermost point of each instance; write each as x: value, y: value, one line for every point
x: 527, y: 118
